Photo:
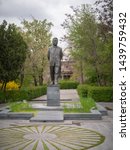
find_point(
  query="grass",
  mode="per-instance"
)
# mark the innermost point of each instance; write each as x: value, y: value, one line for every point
x: 84, y: 106
x: 87, y: 103
x: 21, y: 107
x: 73, y: 107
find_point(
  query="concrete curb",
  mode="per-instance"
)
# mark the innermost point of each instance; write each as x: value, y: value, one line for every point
x: 14, y: 115
x: 93, y: 115
x: 102, y: 110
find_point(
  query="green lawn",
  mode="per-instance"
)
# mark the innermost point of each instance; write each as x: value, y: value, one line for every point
x: 21, y: 107
x: 85, y: 105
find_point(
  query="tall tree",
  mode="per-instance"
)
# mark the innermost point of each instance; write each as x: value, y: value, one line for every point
x: 37, y: 35
x: 13, y: 51
x: 88, y: 47
x: 104, y: 9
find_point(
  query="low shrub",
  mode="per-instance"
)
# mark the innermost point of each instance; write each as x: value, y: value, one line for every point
x: 11, y: 85
x: 68, y: 84
x: 98, y: 93
x: 18, y: 95
x: 83, y: 90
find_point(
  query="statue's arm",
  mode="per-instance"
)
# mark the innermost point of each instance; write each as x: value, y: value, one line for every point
x: 61, y: 54
x: 48, y: 54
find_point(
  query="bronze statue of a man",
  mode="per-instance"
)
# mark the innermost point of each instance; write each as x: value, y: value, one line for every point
x: 54, y: 56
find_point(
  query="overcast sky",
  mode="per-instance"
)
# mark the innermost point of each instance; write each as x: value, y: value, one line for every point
x: 54, y: 11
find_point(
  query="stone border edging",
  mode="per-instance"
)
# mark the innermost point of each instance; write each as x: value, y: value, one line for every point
x: 93, y: 115
x: 16, y: 115
x: 101, y: 109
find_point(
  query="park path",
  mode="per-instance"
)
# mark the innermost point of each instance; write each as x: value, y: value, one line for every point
x: 104, y: 126
x: 65, y: 95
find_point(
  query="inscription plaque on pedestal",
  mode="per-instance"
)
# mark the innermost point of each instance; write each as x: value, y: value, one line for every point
x: 53, y: 95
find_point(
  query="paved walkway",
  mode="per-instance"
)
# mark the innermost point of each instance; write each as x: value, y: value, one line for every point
x: 65, y: 95
x: 61, y: 131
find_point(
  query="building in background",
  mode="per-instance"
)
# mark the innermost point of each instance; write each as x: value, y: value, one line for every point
x: 66, y: 69
x: 66, y: 64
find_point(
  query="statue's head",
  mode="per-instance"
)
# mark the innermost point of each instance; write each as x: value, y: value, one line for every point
x: 55, y: 41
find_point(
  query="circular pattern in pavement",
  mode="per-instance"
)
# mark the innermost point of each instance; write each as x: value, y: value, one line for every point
x: 48, y: 137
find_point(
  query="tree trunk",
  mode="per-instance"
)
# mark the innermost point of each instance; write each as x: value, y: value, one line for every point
x: 21, y: 80
x: 96, y: 62
x: 104, y: 81
x: 21, y: 77
x: 81, y: 73
x: 98, y: 76
x: 2, y: 86
x: 40, y: 80
x: 35, y: 80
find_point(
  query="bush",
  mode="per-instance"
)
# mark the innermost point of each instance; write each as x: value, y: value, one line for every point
x: 18, y: 95
x: 12, y: 85
x: 82, y: 90
x: 68, y: 84
x: 104, y: 94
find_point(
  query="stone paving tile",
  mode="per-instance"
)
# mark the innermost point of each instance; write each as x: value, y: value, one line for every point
x: 48, y: 116
x: 49, y: 137
x: 64, y: 95
x: 104, y: 127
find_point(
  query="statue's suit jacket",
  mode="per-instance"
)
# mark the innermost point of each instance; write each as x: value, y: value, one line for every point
x: 55, y: 55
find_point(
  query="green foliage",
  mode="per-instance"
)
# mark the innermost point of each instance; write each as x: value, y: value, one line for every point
x: 87, y: 103
x: 13, y: 51
x: 22, y: 94
x: 91, y: 45
x: 68, y: 84
x: 82, y: 90
x: 75, y: 108
x: 37, y: 34
x: 28, y: 81
x: 19, y: 106
x: 98, y: 93
x: 22, y: 107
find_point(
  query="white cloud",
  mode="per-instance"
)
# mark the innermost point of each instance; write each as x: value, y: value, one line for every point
x: 53, y: 10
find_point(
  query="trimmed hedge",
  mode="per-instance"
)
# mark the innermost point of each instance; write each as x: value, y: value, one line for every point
x: 83, y: 90
x: 99, y: 94
x: 18, y: 95
x: 68, y: 84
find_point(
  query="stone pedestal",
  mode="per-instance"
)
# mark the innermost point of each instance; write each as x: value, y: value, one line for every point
x: 53, y: 111
x: 53, y: 95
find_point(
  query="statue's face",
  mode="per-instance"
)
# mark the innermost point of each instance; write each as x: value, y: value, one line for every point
x: 55, y: 41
